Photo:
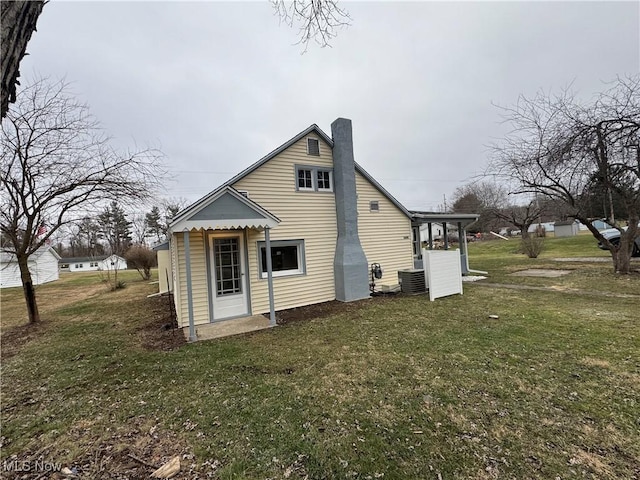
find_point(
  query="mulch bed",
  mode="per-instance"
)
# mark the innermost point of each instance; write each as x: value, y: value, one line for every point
x: 325, y: 309
x: 159, y: 333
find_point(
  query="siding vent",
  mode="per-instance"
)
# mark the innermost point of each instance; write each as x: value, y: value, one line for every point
x: 374, y: 206
x: 313, y: 147
x: 244, y: 193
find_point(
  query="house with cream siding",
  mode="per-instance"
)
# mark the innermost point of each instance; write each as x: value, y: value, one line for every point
x: 302, y: 225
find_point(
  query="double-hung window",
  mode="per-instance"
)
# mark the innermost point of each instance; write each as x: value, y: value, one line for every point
x: 314, y: 179
x: 287, y: 258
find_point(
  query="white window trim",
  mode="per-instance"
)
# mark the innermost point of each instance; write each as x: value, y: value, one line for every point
x: 313, y: 182
x: 314, y: 178
x: 330, y: 189
x: 302, y: 267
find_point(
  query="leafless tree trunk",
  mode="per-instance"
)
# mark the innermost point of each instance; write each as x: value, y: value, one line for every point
x: 19, y: 20
x: 56, y: 166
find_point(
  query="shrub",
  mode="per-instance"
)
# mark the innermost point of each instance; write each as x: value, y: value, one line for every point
x: 142, y: 258
x: 532, y: 245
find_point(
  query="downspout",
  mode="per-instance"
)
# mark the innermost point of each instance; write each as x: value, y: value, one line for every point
x: 187, y: 257
x: 267, y: 246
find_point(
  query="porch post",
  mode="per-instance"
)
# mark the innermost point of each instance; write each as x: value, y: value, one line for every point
x: 430, y: 236
x: 187, y: 259
x: 462, y: 242
x: 272, y: 308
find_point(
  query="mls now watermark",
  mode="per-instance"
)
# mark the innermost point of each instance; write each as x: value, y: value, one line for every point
x: 35, y: 466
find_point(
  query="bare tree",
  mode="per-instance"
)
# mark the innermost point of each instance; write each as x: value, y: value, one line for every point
x: 520, y: 216
x: 318, y: 20
x: 56, y: 165
x: 481, y: 197
x: 19, y: 19
x: 563, y: 149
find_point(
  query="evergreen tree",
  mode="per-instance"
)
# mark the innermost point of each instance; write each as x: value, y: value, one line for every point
x: 115, y: 229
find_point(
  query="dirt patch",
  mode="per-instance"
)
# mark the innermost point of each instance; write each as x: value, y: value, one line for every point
x: 130, y: 452
x: 326, y: 309
x: 559, y: 289
x: 160, y: 332
x: 16, y: 337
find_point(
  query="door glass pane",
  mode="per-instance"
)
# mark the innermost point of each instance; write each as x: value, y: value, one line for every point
x: 226, y: 257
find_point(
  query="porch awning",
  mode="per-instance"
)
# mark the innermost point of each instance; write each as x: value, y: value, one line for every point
x: 418, y: 218
x: 224, y: 209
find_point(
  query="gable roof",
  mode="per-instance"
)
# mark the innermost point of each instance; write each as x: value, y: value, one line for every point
x: 95, y: 258
x: 251, y: 168
x: 7, y: 257
x: 237, y: 211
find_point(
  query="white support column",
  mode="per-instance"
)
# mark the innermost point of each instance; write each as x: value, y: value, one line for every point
x: 267, y: 246
x: 187, y: 259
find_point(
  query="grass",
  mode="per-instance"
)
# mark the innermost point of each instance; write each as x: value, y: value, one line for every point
x: 502, y: 258
x: 392, y: 388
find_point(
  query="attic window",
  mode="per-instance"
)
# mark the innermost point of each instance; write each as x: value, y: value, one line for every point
x: 313, y: 147
x: 374, y: 206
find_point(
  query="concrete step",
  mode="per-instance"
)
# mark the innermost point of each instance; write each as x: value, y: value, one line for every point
x: 226, y: 328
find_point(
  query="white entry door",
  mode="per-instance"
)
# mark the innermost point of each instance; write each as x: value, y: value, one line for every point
x: 229, y: 290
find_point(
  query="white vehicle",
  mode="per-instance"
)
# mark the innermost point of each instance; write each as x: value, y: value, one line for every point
x: 613, y: 235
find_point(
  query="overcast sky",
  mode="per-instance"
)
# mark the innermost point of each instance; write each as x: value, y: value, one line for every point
x: 218, y: 85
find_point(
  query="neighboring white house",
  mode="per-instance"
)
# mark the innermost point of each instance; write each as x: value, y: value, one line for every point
x: 43, y: 265
x: 87, y: 264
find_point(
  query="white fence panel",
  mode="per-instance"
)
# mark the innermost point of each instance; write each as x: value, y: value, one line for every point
x: 443, y: 272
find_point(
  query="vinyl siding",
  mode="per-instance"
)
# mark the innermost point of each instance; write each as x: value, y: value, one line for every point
x: 385, y: 235
x: 198, y: 280
x: 43, y: 267
x: 308, y: 216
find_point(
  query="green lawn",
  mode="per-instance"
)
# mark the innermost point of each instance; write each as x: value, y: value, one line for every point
x: 391, y: 388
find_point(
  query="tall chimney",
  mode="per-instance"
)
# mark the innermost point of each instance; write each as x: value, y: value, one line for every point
x: 350, y: 266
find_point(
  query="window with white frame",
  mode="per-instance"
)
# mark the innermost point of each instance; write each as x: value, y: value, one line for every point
x: 287, y: 258
x: 325, y: 182
x: 305, y: 179
x: 314, y: 179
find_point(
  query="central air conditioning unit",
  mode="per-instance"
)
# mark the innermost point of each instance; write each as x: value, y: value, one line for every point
x: 412, y: 281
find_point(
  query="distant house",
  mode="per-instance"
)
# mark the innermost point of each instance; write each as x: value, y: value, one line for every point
x: 87, y: 264
x: 566, y: 228
x: 303, y: 225
x: 43, y: 265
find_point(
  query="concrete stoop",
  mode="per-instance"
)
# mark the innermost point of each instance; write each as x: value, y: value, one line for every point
x: 227, y: 328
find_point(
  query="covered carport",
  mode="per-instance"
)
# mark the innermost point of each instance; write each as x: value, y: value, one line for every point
x: 462, y: 221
